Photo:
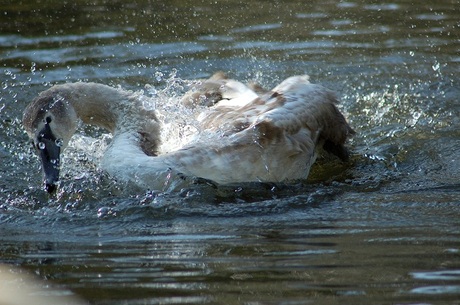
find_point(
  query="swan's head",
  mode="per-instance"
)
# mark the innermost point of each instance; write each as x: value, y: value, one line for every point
x: 50, y: 121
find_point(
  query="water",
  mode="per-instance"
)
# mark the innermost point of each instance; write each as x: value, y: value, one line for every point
x: 381, y: 229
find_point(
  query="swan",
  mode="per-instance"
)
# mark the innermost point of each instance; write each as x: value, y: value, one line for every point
x: 246, y: 133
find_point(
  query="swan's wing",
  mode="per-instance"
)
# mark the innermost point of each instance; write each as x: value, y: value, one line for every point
x: 293, y: 105
x: 273, y: 137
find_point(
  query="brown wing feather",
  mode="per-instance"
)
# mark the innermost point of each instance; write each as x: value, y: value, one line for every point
x: 293, y: 105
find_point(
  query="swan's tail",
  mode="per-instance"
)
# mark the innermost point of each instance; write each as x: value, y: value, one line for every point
x: 335, y: 133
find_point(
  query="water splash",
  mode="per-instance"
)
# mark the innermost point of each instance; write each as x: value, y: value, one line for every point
x: 179, y: 123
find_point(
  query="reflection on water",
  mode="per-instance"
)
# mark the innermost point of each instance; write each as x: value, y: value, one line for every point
x: 383, y: 228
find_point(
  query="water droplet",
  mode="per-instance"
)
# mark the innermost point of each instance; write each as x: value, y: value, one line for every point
x: 41, y: 145
x: 159, y: 76
x: 102, y: 212
x: 59, y: 142
x: 436, y: 66
x: 412, y: 53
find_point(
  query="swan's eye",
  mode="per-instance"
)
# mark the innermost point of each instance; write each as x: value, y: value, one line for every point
x: 59, y: 142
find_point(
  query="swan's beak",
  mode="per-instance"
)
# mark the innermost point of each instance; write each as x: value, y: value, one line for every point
x: 50, y: 164
x: 49, y: 152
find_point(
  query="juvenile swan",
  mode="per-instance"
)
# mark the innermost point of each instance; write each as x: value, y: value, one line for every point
x: 269, y: 136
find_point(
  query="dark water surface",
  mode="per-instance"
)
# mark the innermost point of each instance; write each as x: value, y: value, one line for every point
x: 382, y: 229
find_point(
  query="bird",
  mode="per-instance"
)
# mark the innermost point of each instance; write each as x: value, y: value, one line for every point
x: 245, y: 133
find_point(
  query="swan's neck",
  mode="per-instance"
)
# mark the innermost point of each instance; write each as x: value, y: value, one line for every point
x: 95, y: 104
x: 116, y: 110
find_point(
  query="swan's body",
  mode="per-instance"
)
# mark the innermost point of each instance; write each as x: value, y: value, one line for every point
x: 244, y: 136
